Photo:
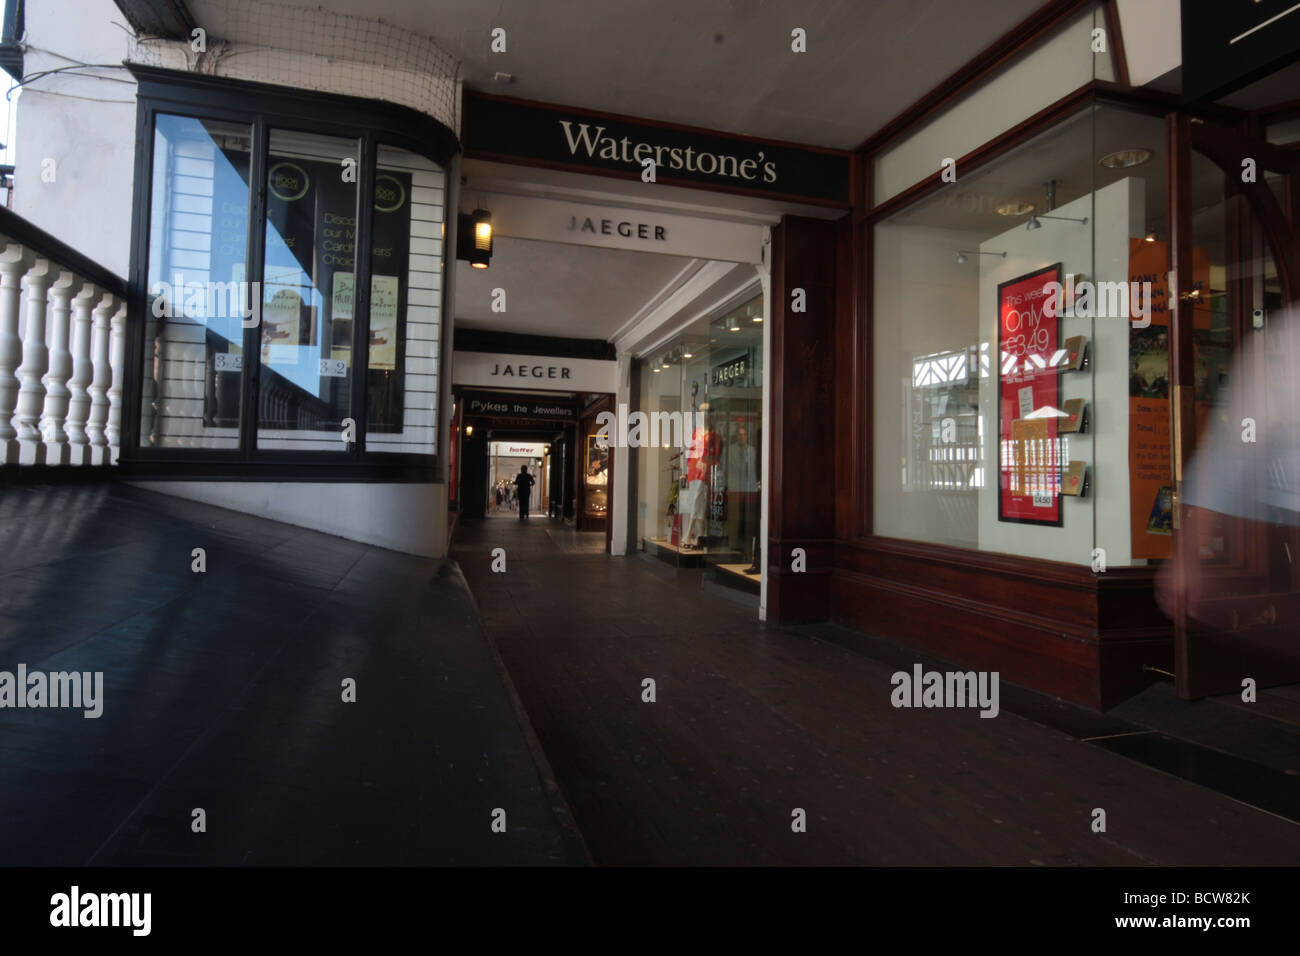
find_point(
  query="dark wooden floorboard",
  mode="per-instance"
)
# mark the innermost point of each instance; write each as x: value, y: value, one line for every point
x: 752, y: 722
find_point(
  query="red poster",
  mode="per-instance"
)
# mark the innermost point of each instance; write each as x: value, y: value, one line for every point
x: 1029, y: 405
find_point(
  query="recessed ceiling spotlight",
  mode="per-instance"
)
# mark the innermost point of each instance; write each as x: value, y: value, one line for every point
x: 1124, y: 158
x: 1016, y: 208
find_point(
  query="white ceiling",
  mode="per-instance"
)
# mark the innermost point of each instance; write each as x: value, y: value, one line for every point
x: 720, y: 64
x: 556, y: 289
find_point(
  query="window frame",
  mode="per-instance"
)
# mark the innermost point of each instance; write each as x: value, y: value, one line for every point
x: 264, y: 107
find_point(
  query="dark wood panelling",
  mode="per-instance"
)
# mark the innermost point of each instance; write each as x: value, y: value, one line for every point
x: 1054, y: 627
x: 805, y: 255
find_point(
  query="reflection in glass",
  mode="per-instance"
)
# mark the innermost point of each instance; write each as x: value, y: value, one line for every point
x: 307, y: 291
x: 198, y: 295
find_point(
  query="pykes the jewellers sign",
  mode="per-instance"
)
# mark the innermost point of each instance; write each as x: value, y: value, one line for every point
x: 506, y: 129
x: 505, y: 405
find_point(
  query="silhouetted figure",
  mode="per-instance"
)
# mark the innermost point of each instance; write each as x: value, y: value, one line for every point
x: 524, y: 482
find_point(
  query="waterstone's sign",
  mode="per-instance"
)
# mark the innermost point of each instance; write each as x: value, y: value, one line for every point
x: 506, y: 129
x: 491, y: 370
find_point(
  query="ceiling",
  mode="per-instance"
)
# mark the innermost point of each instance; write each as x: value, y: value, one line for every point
x: 719, y: 64
x: 565, y: 290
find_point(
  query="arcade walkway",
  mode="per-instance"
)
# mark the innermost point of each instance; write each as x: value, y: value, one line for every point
x: 222, y: 691
x: 750, y: 723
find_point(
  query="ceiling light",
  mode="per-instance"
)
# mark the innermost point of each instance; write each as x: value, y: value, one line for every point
x: 469, y: 430
x: 1149, y: 237
x: 1125, y: 158
x: 687, y: 355
x: 759, y: 317
x: 1017, y: 208
x: 733, y: 325
x: 1033, y: 224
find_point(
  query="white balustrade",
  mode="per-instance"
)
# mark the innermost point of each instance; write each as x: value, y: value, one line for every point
x: 116, y: 351
x: 62, y: 351
x: 57, y: 393
x: 82, y: 370
x: 14, y: 263
x: 101, y: 378
x: 36, y: 359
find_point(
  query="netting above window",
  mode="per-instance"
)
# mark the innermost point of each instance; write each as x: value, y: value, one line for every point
x: 314, y: 49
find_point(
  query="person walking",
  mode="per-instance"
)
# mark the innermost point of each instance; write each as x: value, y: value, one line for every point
x: 523, y: 482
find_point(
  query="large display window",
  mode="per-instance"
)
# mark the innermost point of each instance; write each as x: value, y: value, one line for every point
x: 1020, y: 333
x: 699, y: 468
x: 266, y: 335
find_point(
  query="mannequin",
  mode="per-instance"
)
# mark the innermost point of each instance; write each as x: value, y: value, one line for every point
x: 702, y: 455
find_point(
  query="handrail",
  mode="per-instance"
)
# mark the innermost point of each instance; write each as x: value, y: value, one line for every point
x: 46, y: 246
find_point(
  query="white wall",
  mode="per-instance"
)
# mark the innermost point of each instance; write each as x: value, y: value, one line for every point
x: 403, y: 517
x: 1153, y: 38
x: 1118, y: 214
x: 85, y: 123
x: 924, y: 302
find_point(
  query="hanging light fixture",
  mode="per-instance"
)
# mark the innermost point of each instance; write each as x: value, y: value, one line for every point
x: 474, y: 242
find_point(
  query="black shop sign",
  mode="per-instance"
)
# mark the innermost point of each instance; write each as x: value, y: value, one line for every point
x: 504, y: 129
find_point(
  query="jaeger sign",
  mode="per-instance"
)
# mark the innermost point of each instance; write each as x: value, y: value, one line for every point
x: 507, y: 129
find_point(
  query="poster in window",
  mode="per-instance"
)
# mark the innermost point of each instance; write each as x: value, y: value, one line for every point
x: 383, y: 321
x: 1029, y: 455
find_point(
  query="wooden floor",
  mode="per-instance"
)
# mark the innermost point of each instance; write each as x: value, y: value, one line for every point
x: 751, y: 723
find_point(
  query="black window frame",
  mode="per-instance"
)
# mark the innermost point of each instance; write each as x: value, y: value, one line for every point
x: 263, y: 107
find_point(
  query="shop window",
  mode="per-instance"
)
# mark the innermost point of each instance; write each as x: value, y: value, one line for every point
x: 233, y: 273
x: 699, y: 468
x: 1020, y: 332
x: 308, y: 274
x: 198, y: 294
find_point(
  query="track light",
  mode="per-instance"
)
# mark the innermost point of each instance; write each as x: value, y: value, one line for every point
x: 1035, y: 224
x: 962, y: 254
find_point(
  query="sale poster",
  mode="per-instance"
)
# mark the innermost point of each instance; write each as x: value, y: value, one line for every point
x: 1029, y: 458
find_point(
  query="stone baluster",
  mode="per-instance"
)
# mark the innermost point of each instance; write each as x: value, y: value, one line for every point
x: 57, y: 393
x: 14, y: 262
x: 116, y: 356
x: 101, y: 379
x: 36, y: 357
x: 82, y: 370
